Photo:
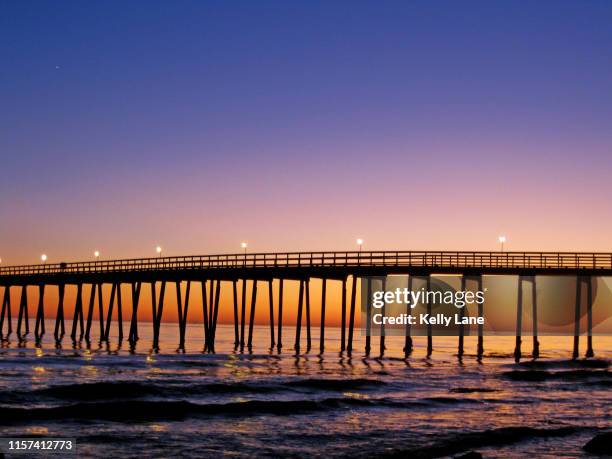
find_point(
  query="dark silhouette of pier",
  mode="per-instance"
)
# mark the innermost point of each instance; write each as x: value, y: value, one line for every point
x: 211, y: 271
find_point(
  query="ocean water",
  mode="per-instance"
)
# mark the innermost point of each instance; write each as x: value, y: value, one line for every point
x: 169, y: 404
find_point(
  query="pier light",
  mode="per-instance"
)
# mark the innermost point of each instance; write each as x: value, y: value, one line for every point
x: 43, y: 258
x: 360, y: 243
x: 244, y: 245
x: 96, y: 254
x: 502, y: 240
x: 158, y: 249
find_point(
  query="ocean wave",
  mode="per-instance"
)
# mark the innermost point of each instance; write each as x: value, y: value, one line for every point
x: 578, y: 363
x: 146, y: 410
x: 452, y: 400
x: 108, y: 390
x: 472, y: 440
x: 140, y: 410
x: 543, y: 375
x: 334, y: 384
x: 470, y: 390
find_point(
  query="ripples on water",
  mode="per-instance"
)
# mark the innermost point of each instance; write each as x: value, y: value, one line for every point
x: 119, y: 404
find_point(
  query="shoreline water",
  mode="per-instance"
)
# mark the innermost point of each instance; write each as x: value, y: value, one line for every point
x: 120, y: 403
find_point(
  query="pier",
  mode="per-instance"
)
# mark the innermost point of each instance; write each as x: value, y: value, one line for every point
x: 256, y: 272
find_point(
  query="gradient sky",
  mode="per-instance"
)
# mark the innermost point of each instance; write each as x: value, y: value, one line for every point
x: 302, y: 125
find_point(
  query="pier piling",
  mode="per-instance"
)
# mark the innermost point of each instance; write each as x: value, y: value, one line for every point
x: 133, y: 335
x: 349, y: 347
x: 461, y: 326
x: 308, y: 335
x: 111, y: 306
x: 77, y: 317
x: 534, y: 305
x: 382, y: 325
x: 271, y: 304
x: 252, y: 318
x: 480, y: 346
x: 279, y: 341
x: 39, y: 327
x: 59, y: 317
x: 589, y: 351
x: 205, y: 315
x: 368, y: 324
x: 243, y: 316
x: 298, y: 325
x: 408, y: 337
x: 6, y: 312
x: 322, y: 335
x: 343, y: 318
x: 577, y: 317
x: 23, y: 313
x: 519, y: 320
x: 215, y: 316
x: 236, y: 326
x: 429, y: 326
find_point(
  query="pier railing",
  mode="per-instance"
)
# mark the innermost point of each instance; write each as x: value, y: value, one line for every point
x: 425, y: 259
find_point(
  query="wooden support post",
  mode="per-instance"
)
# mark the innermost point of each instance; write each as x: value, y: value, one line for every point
x: 186, y: 306
x: 322, y: 335
x: 27, y: 315
x: 429, y: 327
x: 519, y: 320
x: 271, y: 301
x: 308, y: 335
x: 101, y: 311
x: 78, y: 313
x: 111, y: 305
x: 179, y: 307
x: 279, y: 341
x: 408, y: 337
x: 211, y: 314
x: 252, y: 319
x: 343, y: 318
x: 534, y: 305
x: 92, y: 299
x: 461, y: 326
x: 382, y: 325
x: 59, y: 318
x: 298, y: 325
x: 160, y: 311
x: 480, y: 347
x: 236, y: 331
x: 154, y: 310
x: 243, y: 315
x: 205, y: 316
x: 23, y: 312
x: 589, y: 352
x: 6, y: 312
x: 39, y: 328
x: 368, y: 324
x: 215, y: 316
x: 577, y: 317
x: 119, y: 313
x: 183, y: 308
x: 133, y: 335
x: 349, y: 347
x: 2, y: 313
x: 81, y: 314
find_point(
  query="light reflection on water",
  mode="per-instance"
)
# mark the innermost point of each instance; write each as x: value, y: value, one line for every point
x: 266, y: 404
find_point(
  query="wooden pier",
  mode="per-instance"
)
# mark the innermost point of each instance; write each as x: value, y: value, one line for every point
x: 257, y: 271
